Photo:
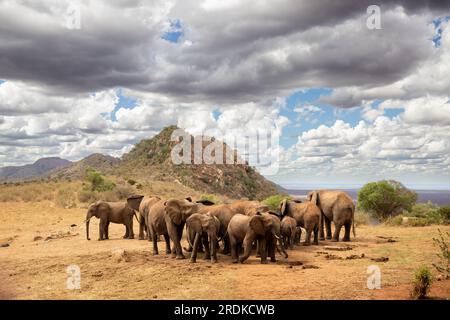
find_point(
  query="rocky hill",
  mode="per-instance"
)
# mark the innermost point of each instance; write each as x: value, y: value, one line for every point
x: 152, y: 159
x: 99, y: 162
x: 31, y: 171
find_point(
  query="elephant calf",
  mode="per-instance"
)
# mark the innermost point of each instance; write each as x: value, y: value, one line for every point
x: 203, y: 228
x: 107, y: 212
x: 288, y: 231
x: 307, y: 216
x: 265, y: 228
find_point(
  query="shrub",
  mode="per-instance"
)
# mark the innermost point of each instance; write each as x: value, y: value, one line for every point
x: 394, y: 221
x: 124, y: 191
x: 109, y: 196
x: 98, y: 182
x: 273, y: 202
x: 131, y: 182
x: 444, y: 213
x: 65, y: 198
x: 87, y: 196
x: 362, y: 218
x: 442, y: 242
x: 386, y: 198
x: 422, y: 283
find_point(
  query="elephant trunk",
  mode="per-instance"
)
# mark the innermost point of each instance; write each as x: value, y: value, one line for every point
x: 353, y: 223
x: 88, y: 218
x: 279, y: 243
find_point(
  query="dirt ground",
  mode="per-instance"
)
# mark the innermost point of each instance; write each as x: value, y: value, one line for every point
x: 42, y: 244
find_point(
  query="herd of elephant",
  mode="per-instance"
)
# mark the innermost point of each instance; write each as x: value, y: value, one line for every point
x: 239, y: 225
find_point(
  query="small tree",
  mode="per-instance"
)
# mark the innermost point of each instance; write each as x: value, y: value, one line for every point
x: 386, y: 198
x: 422, y: 283
x: 98, y: 182
x: 273, y: 202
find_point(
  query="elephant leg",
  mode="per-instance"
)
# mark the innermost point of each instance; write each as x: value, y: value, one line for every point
x: 247, y: 249
x: 167, y: 240
x: 130, y: 229
x: 127, y: 231
x: 149, y: 231
x: 213, y: 246
x: 234, y: 252
x: 142, y: 227
x: 258, y: 250
x: 101, y: 229
x: 328, y: 227
x: 337, y: 231
x: 206, y: 246
x: 226, y: 246
x: 291, y: 241
x: 316, y: 235
x: 322, y: 234
x: 174, y: 233
x: 195, y: 248
x: 107, y: 230
x: 263, y: 250
x: 347, y: 227
x: 271, y: 250
x: 155, y: 243
x: 308, y: 237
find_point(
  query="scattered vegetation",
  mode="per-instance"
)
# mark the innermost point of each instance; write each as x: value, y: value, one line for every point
x: 386, y: 198
x: 442, y: 242
x: 421, y: 214
x: 98, y: 182
x: 422, y: 283
x: 273, y: 202
x: 65, y: 198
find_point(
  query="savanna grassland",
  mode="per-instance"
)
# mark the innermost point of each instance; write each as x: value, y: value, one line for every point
x: 41, y: 239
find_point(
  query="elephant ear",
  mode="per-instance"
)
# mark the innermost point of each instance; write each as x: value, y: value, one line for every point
x: 283, y: 207
x: 257, y: 224
x: 314, y: 198
x: 173, y: 211
x: 134, y: 202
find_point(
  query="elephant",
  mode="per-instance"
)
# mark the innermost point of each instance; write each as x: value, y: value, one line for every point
x: 107, y: 212
x: 143, y: 205
x: 307, y: 216
x: 336, y: 206
x: 175, y: 214
x: 248, y: 207
x: 288, y: 231
x: 244, y: 229
x: 203, y: 228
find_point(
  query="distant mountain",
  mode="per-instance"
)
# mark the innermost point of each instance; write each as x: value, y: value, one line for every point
x: 99, y: 162
x: 32, y: 171
x: 151, y: 158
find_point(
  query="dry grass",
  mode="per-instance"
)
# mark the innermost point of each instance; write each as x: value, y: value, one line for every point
x: 37, y: 269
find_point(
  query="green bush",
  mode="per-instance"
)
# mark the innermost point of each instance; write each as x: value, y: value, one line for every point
x: 385, y: 198
x: 273, y: 202
x: 444, y: 213
x: 442, y: 242
x: 98, y: 182
x: 422, y: 283
x: 394, y: 221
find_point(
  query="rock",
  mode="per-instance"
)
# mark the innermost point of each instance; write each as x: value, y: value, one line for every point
x: 4, y: 245
x: 339, y: 248
x: 37, y: 238
x: 380, y: 259
x: 310, y: 266
x: 73, y: 225
x: 120, y: 255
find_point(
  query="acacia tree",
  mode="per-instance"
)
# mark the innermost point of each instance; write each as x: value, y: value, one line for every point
x: 386, y: 198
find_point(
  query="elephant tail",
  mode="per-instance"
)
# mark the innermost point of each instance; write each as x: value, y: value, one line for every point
x: 137, y: 219
x: 353, y: 222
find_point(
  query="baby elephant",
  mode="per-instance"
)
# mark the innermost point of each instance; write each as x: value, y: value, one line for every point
x: 203, y: 228
x: 288, y: 231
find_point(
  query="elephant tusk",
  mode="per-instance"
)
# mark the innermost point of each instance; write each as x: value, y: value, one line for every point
x: 277, y: 237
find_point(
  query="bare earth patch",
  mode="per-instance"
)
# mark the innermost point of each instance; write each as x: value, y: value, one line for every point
x: 43, y: 242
